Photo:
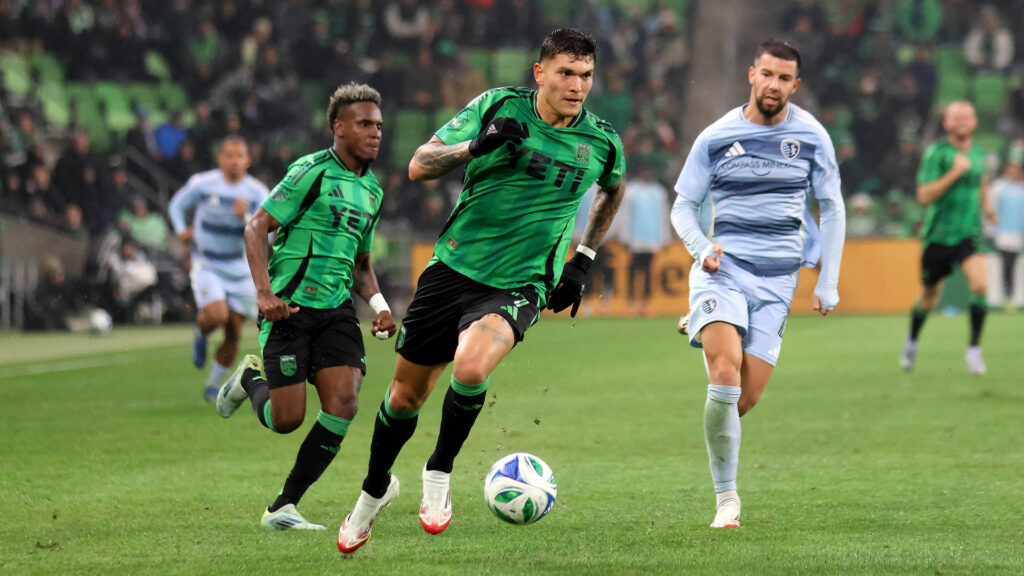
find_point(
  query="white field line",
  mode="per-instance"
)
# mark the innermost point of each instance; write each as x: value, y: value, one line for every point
x: 49, y: 367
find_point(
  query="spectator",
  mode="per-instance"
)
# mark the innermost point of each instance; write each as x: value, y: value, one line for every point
x: 461, y: 83
x: 69, y: 175
x: 44, y: 203
x: 128, y: 275
x: 53, y: 301
x: 185, y: 164
x: 407, y: 23
x: 169, y: 137
x: 147, y: 228
x: 1008, y: 235
x: 989, y: 45
x: 860, y: 222
x: 645, y: 212
x: 918, y: 20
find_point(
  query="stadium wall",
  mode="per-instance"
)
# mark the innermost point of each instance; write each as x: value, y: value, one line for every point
x: 878, y: 276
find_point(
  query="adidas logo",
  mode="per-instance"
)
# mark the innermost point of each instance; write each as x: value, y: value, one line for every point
x: 491, y: 130
x: 735, y: 150
x: 336, y: 193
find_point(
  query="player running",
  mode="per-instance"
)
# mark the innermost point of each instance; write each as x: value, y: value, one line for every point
x: 755, y: 166
x: 530, y: 155
x: 225, y: 296
x: 951, y: 183
x: 324, y: 211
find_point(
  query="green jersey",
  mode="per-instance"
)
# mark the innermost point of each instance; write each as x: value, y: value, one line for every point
x: 956, y: 215
x: 513, y: 221
x: 327, y: 215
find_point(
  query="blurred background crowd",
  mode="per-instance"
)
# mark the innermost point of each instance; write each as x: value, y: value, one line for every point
x: 108, y: 106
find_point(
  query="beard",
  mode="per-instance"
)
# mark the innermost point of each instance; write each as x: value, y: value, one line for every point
x: 769, y: 112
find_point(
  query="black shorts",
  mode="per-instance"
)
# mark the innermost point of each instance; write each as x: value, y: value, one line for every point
x: 446, y: 303
x: 312, y: 339
x: 938, y: 260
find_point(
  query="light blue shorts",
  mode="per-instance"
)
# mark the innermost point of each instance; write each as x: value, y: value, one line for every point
x: 756, y: 305
x: 210, y: 285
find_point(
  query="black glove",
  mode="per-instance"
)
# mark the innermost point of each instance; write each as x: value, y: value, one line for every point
x: 499, y: 131
x: 570, y: 287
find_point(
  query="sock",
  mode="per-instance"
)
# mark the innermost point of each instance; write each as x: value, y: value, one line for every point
x: 462, y: 404
x: 315, y: 455
x: 255, y: 385
x: 218, y: 374
x: 390, y: 432
x: 917, y: 318
x: 979, y: 307
x: 722, y: 435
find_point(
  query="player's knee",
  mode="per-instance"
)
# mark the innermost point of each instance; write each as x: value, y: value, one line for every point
x: 724, y: 372
x: 213, y: 316
x: 343, y: 405
x: 286, y: 424
x: 403, y: 400
x: 471, y: 373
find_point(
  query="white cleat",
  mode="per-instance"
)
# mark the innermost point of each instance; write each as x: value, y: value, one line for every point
x: 436, y: 506
x: 728, y: 515
x: 975, y: 363
x: 684, y: 324
x: 355, y: 531
x: 231, y: 393
x: 908, y: 356
x: 288, y: 518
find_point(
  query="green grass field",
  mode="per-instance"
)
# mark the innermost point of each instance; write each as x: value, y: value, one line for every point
x: 110, y: 462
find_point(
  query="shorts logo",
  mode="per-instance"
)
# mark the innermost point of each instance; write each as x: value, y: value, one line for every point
x: 708, y: 306
x: 583, y: 153
x: 789, y: 148
x: 453, y: 243
x: 288, y: 365
x: 401, y: 338
x: 310, y: 289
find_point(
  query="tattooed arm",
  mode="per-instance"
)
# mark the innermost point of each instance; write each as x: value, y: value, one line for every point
x: 435, y: 159
x: 602, y: 211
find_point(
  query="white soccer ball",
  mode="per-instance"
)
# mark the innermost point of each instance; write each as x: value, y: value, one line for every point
x: 520, y: 488
x: 100, y: 321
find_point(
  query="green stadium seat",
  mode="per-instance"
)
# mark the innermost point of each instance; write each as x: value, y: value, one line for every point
x: 173, y: 96
x: 49, y: 68
x: 992, y: 142
x: 144, y: 95
x: 117, y: 106
x: 156, y: 65
x: 950, y: 58
x: 15, y: 72
x: 412, y: 128
x: 481, y: 60
x: 989, y: 97
x: 511, y: 66
x: 953, y: 85
x: 55, y: 103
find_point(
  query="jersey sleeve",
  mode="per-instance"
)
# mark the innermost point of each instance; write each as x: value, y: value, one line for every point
x: 184, y: 199
x: 615, y: 165
x: 825, y: 180
x: 287, y: 200
x: 931, y: 165
x: 467, y: 123
x: 695, y: 177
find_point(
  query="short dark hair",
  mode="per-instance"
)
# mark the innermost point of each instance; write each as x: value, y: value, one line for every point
x: 348, y: 94
x: 568, y: 41
x: 779, y: 49
x: 230, y: 139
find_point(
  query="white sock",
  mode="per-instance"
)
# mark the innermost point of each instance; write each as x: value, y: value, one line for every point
x: 218, y: 374
x: 722, y: 435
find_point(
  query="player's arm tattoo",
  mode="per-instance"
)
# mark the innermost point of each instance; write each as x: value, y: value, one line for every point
x: 602, y: 211
x: 364, y: 279
x: 435, y: 159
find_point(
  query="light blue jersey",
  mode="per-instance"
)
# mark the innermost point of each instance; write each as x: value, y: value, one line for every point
x: 645, y: 212
x: 753, y: 182
x: 218, y: 232
x: 1008, y: 200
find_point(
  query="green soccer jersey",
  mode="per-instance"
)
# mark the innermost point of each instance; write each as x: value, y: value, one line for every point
x: 956, y: 215
x: 513, y: 221
x: 327, y: 215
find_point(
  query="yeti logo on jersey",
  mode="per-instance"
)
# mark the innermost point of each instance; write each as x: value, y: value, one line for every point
x: 790, y: 148
x: 583, y: 153
x: 288, y: 365
x: 736, y: 150
x: 708, y: 306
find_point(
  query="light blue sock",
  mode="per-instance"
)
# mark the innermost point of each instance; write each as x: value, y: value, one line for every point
x: 722, y: 435
x: 218, y: 374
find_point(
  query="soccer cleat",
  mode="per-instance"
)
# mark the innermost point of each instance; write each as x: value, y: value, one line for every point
x: 684, y: 324
x: 231, y: 393
x: 436, y: 506
x: 287, y: 518
x: 199, y: 349
x: 355, y: 531
x: 975, y: 364
x: 909, y: 355
x: 728, y: 514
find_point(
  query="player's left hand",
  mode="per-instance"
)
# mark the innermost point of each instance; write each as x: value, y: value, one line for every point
x: 570, y: 287
x: 993, y: 218
x: 384, y: 325
x: 824, y: 300
x: 239, y: 207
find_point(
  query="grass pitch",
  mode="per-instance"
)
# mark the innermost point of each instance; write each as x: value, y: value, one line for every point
x: 110, y: 462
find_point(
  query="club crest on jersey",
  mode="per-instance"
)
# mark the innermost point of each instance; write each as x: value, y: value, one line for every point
x: 278, y: 195
x: 790, y: 148
x: 583, y: 153
x: 459, y: 121
x: 288, y: 365
x: 708, y: 306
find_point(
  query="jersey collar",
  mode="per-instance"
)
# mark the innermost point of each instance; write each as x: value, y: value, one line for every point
x: 342, y: 164
x: 536, y: 114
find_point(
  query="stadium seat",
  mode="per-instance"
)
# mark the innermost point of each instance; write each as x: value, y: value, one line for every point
x: 481, y: 60
x: 511, y: 66
x: 144, y: 95
x: 16, y: 78
x: 56, y: 107
x: 156, y: 65
x: 48, y: 67
x: 989, y: 97
x: 412, y: 128
x: 992, y: 142
x: 117, y: 107
x: 173, y: 96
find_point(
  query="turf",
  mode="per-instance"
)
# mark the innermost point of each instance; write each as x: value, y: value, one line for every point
x: 110, y: 463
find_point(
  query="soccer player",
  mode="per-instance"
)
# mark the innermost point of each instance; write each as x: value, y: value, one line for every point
x: 951, y: 183
x: 529, y: 155
x: 756, y: 166
x: 225, y: 296
x: 324, y: 211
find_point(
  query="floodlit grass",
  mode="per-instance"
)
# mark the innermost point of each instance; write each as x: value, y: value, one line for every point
x: 110, y: 462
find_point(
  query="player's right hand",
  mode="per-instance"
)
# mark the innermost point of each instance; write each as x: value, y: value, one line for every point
x: 499, y: 131
x: 713, y: 262
x: 186, y: 235
x: 273, y: 308
x: 961, y: 163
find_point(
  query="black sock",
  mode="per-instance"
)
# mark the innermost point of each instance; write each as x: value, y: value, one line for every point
x: 315, y: 455
x: 457, y: 417
x: 977, y: 322
x: 256, y: 387
x: 917, y: 318
x: 389, y: 435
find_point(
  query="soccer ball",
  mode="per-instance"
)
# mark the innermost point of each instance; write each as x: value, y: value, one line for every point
x: 520, y: 488
x: 100, y: 321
